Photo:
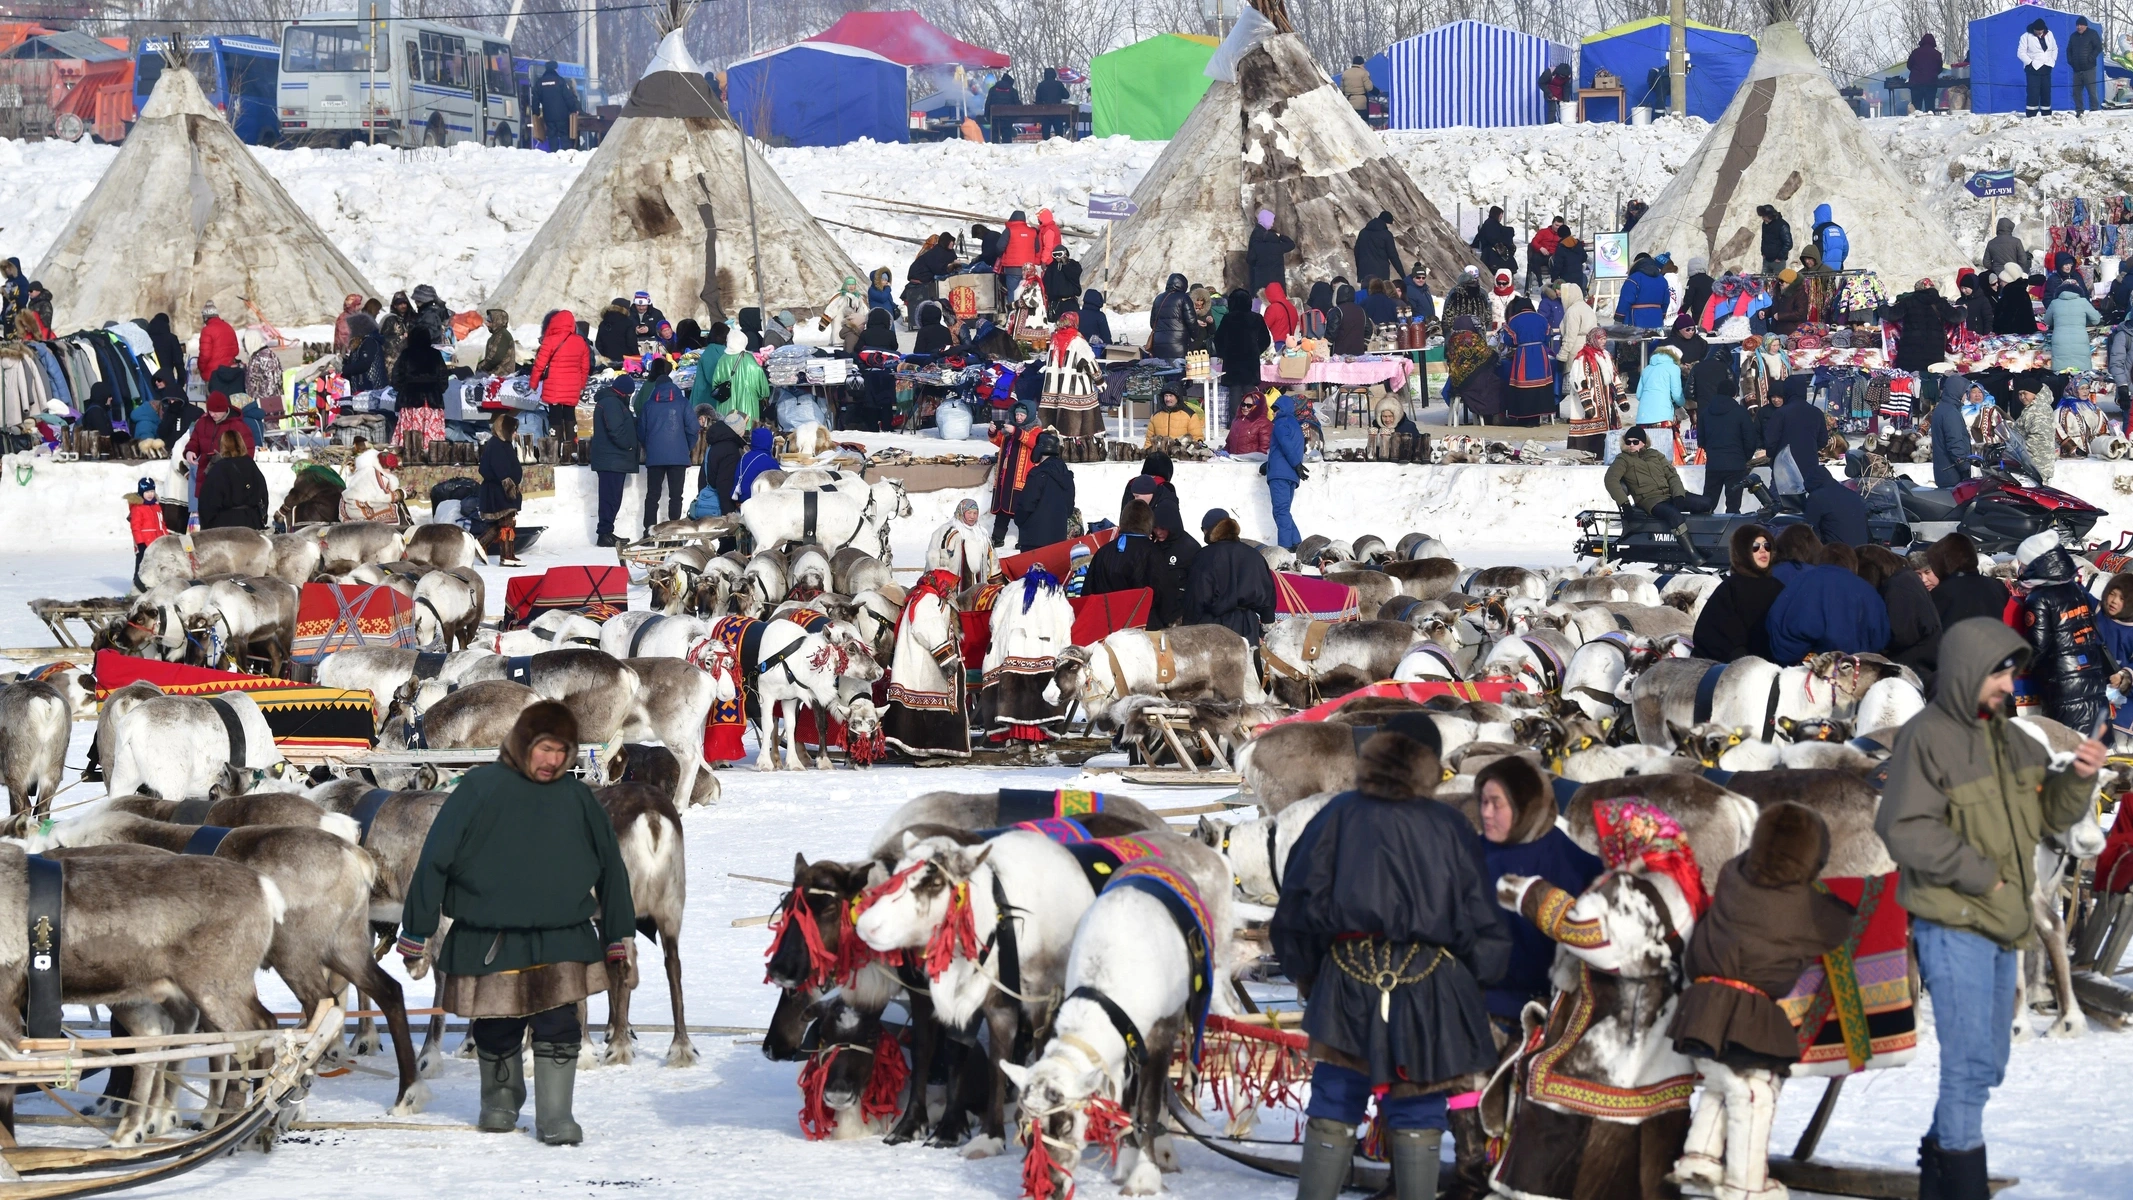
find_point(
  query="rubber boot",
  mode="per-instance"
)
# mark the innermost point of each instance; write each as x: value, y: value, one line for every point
x: 503, y: 1091
x: 1962, y: 1175
x: 1688, y: 547
x: 1761, y: 491
x: 1415, y: 1158
x: 1929, y: 1169
x: 555, y: 1077
x: 1470, y: 1156
x: 1328, y: 1157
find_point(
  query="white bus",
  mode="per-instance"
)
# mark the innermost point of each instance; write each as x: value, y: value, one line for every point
x: 346, y: 80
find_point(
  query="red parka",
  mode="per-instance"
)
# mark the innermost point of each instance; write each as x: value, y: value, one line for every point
x: 564, y: 361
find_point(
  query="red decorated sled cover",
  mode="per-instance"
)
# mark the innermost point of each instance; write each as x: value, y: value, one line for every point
x: 336, y: 616
x: 1490, y: 690
x: 1098, y: 617
x: 1314, y: 598
x: 598, y: 592
x: 1054, y: 557
x: 304, y: 718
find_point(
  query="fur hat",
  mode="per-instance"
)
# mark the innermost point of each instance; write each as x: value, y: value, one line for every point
x: 545, y: 719
x: 1740, y: 549
x: 1532, y: 800
x: 2036, y: 546
x: 1790, y: 846
x: 1393, y: 766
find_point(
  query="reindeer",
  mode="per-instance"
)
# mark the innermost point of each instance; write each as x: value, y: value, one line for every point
x: 1018, y: 876
x: 142, y: 928
x: 442, y: 546
x: 36, y: 724
x: 648, y: 829
x: 477, y: 716
x: 448, y: 606
x: 1350, y: 654
x: 673, y: 700
x: 235, y: 812
x: 175, y: 747
x: 839, y: 518
x: 346, y: 545
x: 242, y: 618
x: 325, y: 881
x: 384, y: 670
x: 853, y: 571
x: 1211, y: 663
x: 1131, y: 951
x: 1752, y: 693
x: 175, y: 559
x: 678, y: 585
x: 558, y: 630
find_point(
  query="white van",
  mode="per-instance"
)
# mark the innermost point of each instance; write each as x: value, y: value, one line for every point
x: 399, y: 81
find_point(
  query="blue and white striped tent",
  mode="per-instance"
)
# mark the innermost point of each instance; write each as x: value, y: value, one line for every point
x: 1466, y: 73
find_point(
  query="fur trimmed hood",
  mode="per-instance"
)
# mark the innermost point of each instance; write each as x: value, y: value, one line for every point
x: 1532, y: 800
x: 1741, y: 557
x: 546, y: 719
x: 1790, y: 846
x: 1394, y: 766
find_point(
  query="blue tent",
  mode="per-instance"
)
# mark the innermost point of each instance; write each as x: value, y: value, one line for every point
x: 819, y: 94
x: 1718, y: 62
x: 1996, y: 83
x: 1466, y: 73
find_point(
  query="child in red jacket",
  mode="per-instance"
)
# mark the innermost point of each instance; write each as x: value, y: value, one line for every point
x: 145, y: 515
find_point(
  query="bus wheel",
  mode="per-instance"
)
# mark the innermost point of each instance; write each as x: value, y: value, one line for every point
x: 433, y: 133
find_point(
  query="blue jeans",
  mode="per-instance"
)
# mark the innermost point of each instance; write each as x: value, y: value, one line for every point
x: 1338, y: 1094
x: 1282, y: 492
x: 1972, y: 981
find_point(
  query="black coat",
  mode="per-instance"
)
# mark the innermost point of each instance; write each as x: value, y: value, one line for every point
x: 1914, y: 624
x: 1922, y: 319
x: 499, y: 463
x: 1411, y: 871
x: 722, y: 460
x: 1353, y: 337
x: 1239, y: 341
x: 1266, y: 256
x: 1173, y: 559
x: 1375, y: 255
x: 1696, y: 293
x: 170, y: 352
x: 616, y: 336
x: 1496, y: 246
x: 1801, y: 426
x: 2013, y: 312
x: 1838, y: 514
x: 1969, y: 595
x: 1731, y: 624
x: 1724, y: 429
x: 1046, y: 501
x: 419, y: 376
x: 2068, y: 661
x: 1062, y: 284
x: 1128, y: 562
x: 1172, y: 323
x: 1229, y: 584
x: 1777, y: 239
x: 1567, y: 264
x: 233, y: 495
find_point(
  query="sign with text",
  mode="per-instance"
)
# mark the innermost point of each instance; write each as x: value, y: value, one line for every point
x: 1990, y: 183
x: 1111, y: 208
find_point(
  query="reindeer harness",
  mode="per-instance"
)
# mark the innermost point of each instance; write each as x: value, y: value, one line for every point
x: 234, y: 726
x: 47, y: 900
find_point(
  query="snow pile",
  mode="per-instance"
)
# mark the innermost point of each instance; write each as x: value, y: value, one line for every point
x: 2054, y: 158
x: 1583, y: 172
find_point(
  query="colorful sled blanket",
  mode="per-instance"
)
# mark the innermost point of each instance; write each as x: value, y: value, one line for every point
x: 1854, y: 1010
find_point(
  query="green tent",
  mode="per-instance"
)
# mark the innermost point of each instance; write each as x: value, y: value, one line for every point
x: 1147, y: 89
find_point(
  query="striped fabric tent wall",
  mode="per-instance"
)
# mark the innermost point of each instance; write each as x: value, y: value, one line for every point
x: 1467, y: 73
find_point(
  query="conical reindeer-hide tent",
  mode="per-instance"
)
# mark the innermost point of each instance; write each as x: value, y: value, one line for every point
x: 1280, y: 137
x: 1790, y: 141
x: 185, y: 216
x: 663, y: 203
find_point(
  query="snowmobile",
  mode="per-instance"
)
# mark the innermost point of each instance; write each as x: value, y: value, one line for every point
x: 2004, y: 505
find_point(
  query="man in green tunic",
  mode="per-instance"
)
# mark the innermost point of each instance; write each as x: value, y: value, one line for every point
x: 524, y: 862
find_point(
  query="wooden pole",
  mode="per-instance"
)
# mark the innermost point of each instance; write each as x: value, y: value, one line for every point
x: 1677, y: 58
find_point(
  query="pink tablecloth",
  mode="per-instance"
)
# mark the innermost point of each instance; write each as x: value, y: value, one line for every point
x: 1392, y: 371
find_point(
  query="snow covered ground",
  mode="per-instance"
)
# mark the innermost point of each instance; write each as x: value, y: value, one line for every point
x: 727, y: 1128
x: 458, y: 218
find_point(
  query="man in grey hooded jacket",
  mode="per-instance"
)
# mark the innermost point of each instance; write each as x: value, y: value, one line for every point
x: 2005, y: 248
x: 1968, y: 798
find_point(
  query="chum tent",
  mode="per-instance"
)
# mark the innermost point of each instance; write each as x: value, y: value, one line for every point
x: 1146, y: 90
x: 185, y: 216
x: 1466, y: 73
x: 1789, y: 140
x: 1272, y: 132
x: 666, y: 205
x: 1996, y: 80
x: 1718, y: 61
x: 819, y: 94
x: 901, y: 35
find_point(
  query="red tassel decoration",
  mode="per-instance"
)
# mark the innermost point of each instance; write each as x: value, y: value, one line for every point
x: 884, y: 1098
x: 817, y: 1122
x: 958, y: 933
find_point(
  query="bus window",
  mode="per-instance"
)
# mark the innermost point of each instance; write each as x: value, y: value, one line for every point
x: 326, y: 48
x: 150, y: 68
x: 444, y: 61
x: 252, y: 77
x: 497, y: 61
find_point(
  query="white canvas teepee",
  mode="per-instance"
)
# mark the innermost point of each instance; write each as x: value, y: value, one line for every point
x: 1789, y: 140
x: 186, y: 216
x: 1280, y: 137
x: 664, y: 205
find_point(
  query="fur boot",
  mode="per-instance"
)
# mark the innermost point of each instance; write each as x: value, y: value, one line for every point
x: 1751, y: 1105
x: 1702, y: 1161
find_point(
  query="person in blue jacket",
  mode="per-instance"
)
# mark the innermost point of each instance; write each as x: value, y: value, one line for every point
x: 1284, y: 469
x: 1951, y: 435
x: 1838, y: 514
x: 1827, y: 607
x: 1645, y: 296
x: 1830, y: 240
x: 666, y: 430
x: 762, y: 456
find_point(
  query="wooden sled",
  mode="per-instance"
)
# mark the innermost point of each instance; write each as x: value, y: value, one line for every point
x: 1803, y: 1172
x: 95, y: 614
x: 57, y: 1064
x: 1260, y: 1155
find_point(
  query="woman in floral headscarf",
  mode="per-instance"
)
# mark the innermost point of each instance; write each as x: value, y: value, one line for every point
x: 1590, y: 394
x: 1598, y: 1103
x: 1470, y: 370
x: 1071, y: 379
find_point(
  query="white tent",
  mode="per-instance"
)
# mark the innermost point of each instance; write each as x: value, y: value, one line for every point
x: 1272, y: 133
x: 186, y: 216
x: 1789, y: 140
x: 664, y: 205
